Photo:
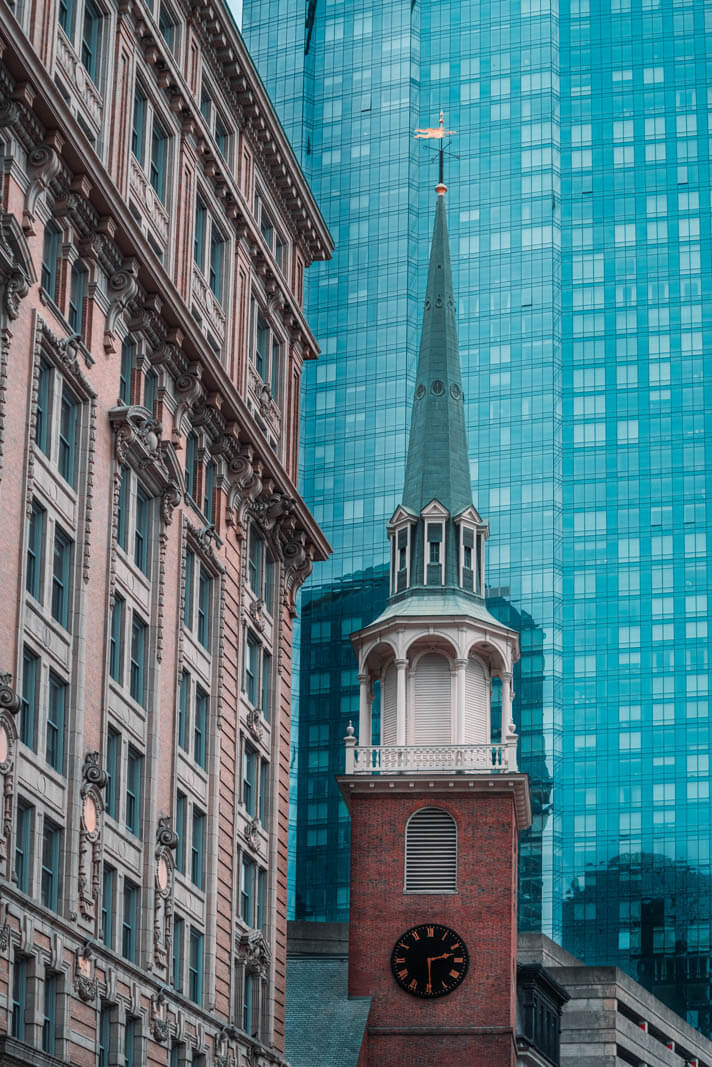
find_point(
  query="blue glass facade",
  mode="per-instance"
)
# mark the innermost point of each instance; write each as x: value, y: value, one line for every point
x: 579, y: 215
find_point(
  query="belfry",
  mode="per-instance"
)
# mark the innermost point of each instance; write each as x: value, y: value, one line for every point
x: 436, y: 800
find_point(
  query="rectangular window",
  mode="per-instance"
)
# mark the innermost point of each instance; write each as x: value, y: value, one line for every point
x: 150, y: 384
x: 254, y: 562
x: 197, y: 846
x: 191, y: 447
x: 116, y: 644
x: 189, y: 582
x: 138, y: 128
x: 104, y: 1035
x: 208, y: 510
x: 77, y: 293
x: 51, y: 841
x: 249, y: 774
x: 178, y: 937
x: 128, y: 355
x: 61, y: 568
x: 66, y: 16
x: 200, y: 726
x: 130, y: 1042
x: 30, y: 696
x: 19, y: 997
x: 201, y: 219
x: 195, y: 966
x: 217, y: 249
x: 129, y: 918
x: 183, y: 697
x: 266, y: 684
x: 122, y: 517
x: 251, y: 669
x: 49, y: 1021
x: 90, y: 39
x: 50, y: 263
x: 264, y: 787
x: 68, y: 423
x: 56, y: 718
x: 134, y: 765
x: 204, y: 584
x: 261, y: 884
x: 35, y: 539
x: 23, y: 845
x: 248, y: 1002
x: 167, y: 27
x: 43, y: 407
x: 113, y: 756
x: 221, y: 137
x: 141, y: 531
x: 247, y: 891
x: 181, y: 826
x: 138, y: 659
x: 159, y: 155
x: 262, y: 346
x: 107, y: 906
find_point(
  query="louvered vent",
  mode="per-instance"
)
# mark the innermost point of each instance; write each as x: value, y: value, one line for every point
x: 388, y: 715
x: 431, y: 852
x: 433, y: 701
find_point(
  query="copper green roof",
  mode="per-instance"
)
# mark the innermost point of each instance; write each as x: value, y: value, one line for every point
x: 437, y: 467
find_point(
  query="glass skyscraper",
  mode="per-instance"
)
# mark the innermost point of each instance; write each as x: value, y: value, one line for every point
x: 579, y: 212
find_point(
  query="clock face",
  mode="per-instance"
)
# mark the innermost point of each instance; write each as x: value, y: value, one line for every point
x: 429, y: 960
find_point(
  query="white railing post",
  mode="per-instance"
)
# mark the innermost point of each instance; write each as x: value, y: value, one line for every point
x: 350, y: 743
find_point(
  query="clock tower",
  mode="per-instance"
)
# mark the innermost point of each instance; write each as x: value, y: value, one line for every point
x: 435, y: 798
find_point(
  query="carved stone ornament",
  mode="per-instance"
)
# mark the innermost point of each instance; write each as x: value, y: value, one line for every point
x: 297, y: 555
x: 4, y: 927
x: 123, y: 287
x: 43, y: 164
x: 90, y: 827
x: 138, y: 442
x: 166, y: 842
x: 253, y: 951
x: 16, y: 268
x: 224, y: 1048
x: 85, y: 982
x: 159, y: 1017
x: 256, y: 610
x: 251, y: 834
x: 245, y: 479
x: 254, y: 723
x: 9, y: 707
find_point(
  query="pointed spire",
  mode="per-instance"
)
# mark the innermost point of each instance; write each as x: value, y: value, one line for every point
x: 437, y: 467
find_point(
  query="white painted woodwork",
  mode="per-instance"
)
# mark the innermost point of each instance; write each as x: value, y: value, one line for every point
x: 433, y: 701
x: 431, y: 852
x: 477, y: 703
x: 389, y: 724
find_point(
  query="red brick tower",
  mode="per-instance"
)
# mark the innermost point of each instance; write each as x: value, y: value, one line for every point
x: 436, y: 805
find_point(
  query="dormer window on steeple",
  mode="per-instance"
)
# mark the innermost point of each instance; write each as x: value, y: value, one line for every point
x: 400, y: 531
x: 472, y: 533
x: 435, y: 518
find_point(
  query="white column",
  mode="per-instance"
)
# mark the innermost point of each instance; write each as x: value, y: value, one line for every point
x: 509, y: 736
x: 458, y: 737
x: 401, y: 701
x: 364, y: 712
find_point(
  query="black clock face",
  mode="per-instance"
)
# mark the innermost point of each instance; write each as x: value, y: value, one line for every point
x: 429, y: 960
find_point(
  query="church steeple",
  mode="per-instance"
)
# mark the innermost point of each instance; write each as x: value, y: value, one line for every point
x: 437, y: 467
x: 437, y: 536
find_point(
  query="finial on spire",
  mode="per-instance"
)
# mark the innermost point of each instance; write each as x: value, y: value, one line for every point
x: 439, y: 133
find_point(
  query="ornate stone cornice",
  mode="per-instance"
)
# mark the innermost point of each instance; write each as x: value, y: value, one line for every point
x: 253, y: 951
x: 138, y: 443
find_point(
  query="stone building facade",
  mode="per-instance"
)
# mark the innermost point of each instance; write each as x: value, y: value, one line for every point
x: 154, y: 233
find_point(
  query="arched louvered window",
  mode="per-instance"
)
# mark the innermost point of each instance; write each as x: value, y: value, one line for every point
x: 388, y: 707
x: 477, y: 703
x: 433, y: 701
x: 431, y: 852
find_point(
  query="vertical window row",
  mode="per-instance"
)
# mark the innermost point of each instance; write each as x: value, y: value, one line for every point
x: 44, y: 710
x: 57, y: 421
x: 124, y: 764
x: 198, y: 599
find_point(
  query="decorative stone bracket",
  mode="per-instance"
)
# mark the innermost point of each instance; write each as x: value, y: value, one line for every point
x: 91, y: 824
x: 9, y: 707
x: 166, y: 843
x: 253, y: 951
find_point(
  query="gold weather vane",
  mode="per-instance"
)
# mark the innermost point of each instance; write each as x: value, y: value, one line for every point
x: 437, y: 134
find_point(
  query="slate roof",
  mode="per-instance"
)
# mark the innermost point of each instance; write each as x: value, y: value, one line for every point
x: 325, y: 1027
x: 438, y: 602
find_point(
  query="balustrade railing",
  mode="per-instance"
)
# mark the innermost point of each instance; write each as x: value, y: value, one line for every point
x: 369, y: 759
